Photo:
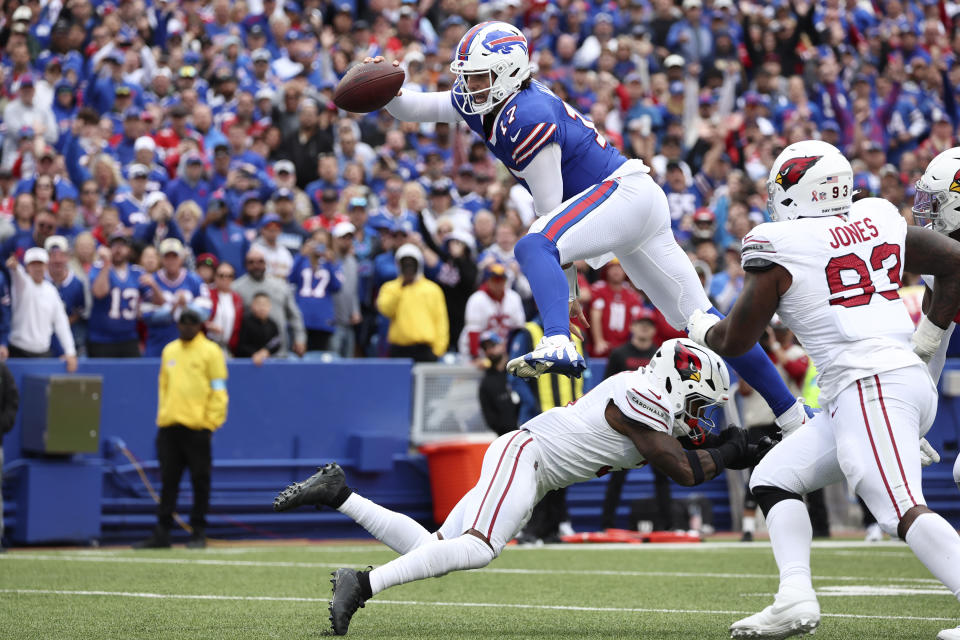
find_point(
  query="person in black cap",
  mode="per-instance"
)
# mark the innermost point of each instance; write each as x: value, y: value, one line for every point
x: 498, y: 402
x: 192, y: 404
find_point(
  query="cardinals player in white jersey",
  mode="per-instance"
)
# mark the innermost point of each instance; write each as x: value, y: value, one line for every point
x: 628, y: 420
x: 831, y: 269
x: 937, y: 206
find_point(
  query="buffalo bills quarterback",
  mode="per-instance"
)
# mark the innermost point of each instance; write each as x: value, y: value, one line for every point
x: 593, y: 203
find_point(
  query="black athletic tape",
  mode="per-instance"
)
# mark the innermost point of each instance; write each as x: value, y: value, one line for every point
x: 341, y: 496
x: 695, y: 466
x: 768, y: 496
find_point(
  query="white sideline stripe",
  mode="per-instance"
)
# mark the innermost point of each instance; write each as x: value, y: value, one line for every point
x: 501, y: 570
x: 418, y: 603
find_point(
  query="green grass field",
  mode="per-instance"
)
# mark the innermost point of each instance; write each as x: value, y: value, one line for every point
x: 573, y: 591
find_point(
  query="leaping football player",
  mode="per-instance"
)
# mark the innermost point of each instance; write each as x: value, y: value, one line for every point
x: 593, y: 203
x: 628, y: 420
x: 831, y: 269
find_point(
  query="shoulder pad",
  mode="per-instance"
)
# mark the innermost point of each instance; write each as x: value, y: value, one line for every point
x: 635, y: 398
x: 757, y: 249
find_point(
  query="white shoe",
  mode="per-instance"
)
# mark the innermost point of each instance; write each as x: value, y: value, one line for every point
x: 790, y: 614
x: 874, y: 533
x: 556, y: 354
x: 565, y: 529
x: 949, y: 634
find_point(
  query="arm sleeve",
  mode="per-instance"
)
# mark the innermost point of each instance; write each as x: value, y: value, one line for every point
x: 61, y: 327
x: 442, y: 340
x: 295, y: 318
x: 414, y: 106
x: 216, y: 411
x: 545, y: 179
x: 389, y: 298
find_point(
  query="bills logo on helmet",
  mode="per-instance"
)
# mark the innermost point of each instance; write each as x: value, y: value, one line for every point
x: 794, y: 169
x: 504, y: 42
x: 955, y: 185
x: 687, y: 363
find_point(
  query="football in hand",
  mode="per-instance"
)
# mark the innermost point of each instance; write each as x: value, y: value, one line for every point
x: 368, y: 87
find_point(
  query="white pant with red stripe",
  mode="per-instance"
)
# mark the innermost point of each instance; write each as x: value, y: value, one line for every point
x: 504, y: 496
x: 633, y: 225
x: 868, y: 435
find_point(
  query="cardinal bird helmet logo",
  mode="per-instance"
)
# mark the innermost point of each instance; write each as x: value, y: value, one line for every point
x: 687, y: 363
x: 955, y: 185
x: 793, y: 170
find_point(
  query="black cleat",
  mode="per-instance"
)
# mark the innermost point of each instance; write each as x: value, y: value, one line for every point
x: 347, y: 598
x: 327, y: 487
x: 159, y: 539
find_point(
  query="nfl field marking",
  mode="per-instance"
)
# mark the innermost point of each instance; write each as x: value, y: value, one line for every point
x: 862, y: 590
x: 500, y: 570
x: 417, y: 603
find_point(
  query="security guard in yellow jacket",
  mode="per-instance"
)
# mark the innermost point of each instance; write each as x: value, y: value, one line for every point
x: 192, y: 405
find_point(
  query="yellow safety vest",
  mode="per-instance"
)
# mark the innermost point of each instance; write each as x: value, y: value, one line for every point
x: 555, y: 390
x: 811, y: 392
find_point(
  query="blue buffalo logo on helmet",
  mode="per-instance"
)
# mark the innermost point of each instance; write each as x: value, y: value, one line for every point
x: 793, y: 170
x: 504, y: 42
x: 687, y: 363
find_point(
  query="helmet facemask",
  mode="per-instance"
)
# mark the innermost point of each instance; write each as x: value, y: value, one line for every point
x: 498, y: 89
x: 930, y: 209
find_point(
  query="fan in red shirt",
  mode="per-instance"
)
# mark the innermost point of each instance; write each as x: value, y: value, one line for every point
x: 614, y: 304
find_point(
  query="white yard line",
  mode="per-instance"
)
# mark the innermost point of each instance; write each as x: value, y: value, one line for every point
x: 417, y: 603
x: 27, y: 556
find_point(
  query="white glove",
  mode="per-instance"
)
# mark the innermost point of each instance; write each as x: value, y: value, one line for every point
x: 791, y: 419
x: 928, y: 455
x: 698, y: 324
x: 926, y: 339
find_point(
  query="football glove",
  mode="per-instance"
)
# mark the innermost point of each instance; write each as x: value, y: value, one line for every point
x: 698, y: 324
x: 926, y: 339
x: 791, y: 419
x: 928, y: 455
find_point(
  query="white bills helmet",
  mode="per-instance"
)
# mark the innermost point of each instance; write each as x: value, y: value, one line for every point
x: 937, y: 202
x: 498, y: 50
x: 695, y: 379
x: 809, y: 179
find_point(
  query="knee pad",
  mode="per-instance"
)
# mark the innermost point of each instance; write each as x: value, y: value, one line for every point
x: 460, y: 553
x: 534, y: 244
x: 767, y: 496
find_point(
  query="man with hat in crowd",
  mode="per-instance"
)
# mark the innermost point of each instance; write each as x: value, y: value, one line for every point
x: 283, y: 308
x: 221, y: 237
x: 346, y: 302
x: 118, y: 288
x: 192, y: 404
x: 122, y: 144
x: 279, y: 259
x: 285, y: 177
x: 441, y: 205
x: 73, y: 292
x: 498, y: 402
x: 329, y: 214
x: 492, y: 307
x: 180, y: 288
x: 131, y: 205
x: 25, y: 111
x: 292, y: 234
x: 316, y: 279
x: 190, y: 183
x: 38, y: 312
x: 392, y: 208
x: 44, y: 226
x: 145, y: 154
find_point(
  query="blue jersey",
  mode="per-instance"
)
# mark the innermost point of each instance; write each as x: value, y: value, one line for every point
x: 313, y: 288
x: 113, y: 318
x: 536, y: 117
x: 161, y: 320
x: 74, y: 298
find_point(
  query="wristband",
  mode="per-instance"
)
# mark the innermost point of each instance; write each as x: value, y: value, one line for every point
x: 926, y: 339
x: 695, y: 466
x: 698, y: 324
x: 717, y: 459
x: 572, y: 283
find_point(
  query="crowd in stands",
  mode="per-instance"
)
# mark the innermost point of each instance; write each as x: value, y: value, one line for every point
x: 164, y: 155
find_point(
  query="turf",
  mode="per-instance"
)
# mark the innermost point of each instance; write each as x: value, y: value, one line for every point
x: 649, y: 591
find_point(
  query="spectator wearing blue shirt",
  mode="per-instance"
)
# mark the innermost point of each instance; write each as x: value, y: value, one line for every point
x: 131, y: 205
x: 292, y: 234
x: 221, y: 237
x: 315, y: 278
x: 73, y: 292
x: 117, y: 289
x: 689, y: 36
x: 190, y: 183
x: 44, y: 226
x: 179, y: 289
x: 122, y: 145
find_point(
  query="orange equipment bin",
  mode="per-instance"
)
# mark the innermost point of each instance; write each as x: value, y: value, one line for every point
x: 454, y: 469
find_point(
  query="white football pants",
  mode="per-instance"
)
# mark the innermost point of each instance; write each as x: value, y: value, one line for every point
x: 627, y: 217
x: 869, y: 435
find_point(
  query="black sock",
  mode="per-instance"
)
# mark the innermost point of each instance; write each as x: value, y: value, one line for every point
x: 365, y: 589
x: 340, y: 498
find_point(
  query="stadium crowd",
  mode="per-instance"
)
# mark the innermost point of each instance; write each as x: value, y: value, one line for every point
x: 171, y: 155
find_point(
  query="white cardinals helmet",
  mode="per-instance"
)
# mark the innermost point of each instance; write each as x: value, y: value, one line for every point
x: 497, y: 50
x: 809, y: 179
x: 695, y: 379
x: 937, y: 202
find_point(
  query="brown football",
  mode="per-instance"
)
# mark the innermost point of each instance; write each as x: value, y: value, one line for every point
x: 368, y: 87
